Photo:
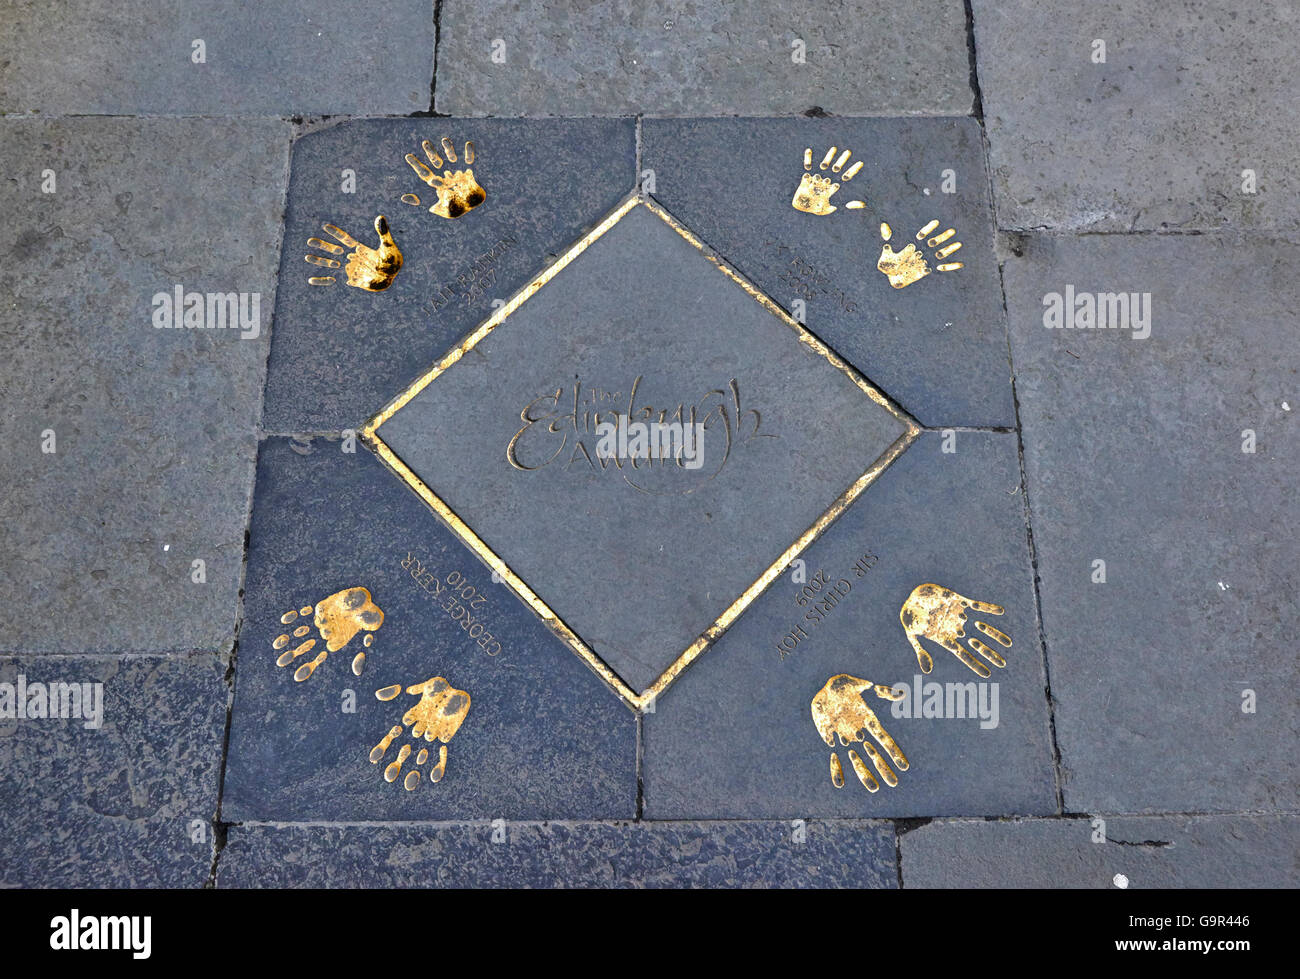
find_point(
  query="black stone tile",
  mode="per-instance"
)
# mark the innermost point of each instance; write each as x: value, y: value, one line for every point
x: 937, y: 346
x: 543, y: 737
x: 734, y: 737
x: 339, y: 353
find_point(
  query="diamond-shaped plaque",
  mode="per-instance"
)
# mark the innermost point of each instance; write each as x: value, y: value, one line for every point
x: 639, y: 442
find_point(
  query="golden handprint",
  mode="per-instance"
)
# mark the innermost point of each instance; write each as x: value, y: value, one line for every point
x: 438, y: 716
x: 905, y: 267
x: 815, y: 190
x: 939, y: 614
x: 839, y: 710
x: 338, y: 619
x: 372, y: 269
x: 458, y: 192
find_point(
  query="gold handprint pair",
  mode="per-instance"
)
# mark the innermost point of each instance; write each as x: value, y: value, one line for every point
x: 813, y: 196
x: 338, y: 619
x: 839, y: 709
x: 374, y: 269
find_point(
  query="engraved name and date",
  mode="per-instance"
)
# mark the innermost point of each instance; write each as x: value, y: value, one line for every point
x: 806, y: 280
x: 819, y: 598
x: 462, y: 602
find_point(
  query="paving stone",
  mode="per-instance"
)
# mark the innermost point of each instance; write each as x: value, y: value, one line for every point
x: 120, y: 792
x: 1134, y: 456
x: 641, y: 559
x: 734, y: 737
x: 1137, y: 852
x: 938, y: 345
x: 152, y: 429
x: 749, y: 854
x: 1190, y: 96
x: 96, y: 56
x: 340, y: 353
x: 539, y: 57
x: 543, y: 736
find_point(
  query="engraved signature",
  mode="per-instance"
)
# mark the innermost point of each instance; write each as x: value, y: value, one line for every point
x: 561, y: 427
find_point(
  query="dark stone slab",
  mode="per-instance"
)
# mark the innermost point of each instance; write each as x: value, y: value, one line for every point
x: 1133, y: 455
x: 734, y: 737
x: 271, y: 59
x: 543, y: 736
x: 639, y: 562
x: 937, y: 346
x: 126, y: 802
x: 537, y: 57
x: 728, y: 854
x: 152, y: 429
x: 1189, y: 97
x: 1127, y: 852
x: 340, y: 353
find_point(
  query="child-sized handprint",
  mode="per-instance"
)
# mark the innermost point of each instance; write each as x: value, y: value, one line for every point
x: 458, y: 192
x: 905, y: 267
x: 815, y: 191
x: 338, y: 619
x: 939, y: 614
x: 438, y: 716
x: 839, y: 710
x: 372, y: 269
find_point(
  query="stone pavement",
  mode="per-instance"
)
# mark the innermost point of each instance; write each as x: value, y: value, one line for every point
x: 945, y: 566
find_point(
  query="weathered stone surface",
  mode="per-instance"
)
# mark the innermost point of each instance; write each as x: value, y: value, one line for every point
x: 543, y: 736
x: 1129, y: 851
x: 271, y: 59
x: 540, y: 57
x: 1159, y: 136
x: 129, y: 803
x: 1134, y: 457
x: 152, y: 430
x: 727, y: 854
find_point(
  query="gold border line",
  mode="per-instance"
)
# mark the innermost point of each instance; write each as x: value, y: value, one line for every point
x: 488, y: 556
x: 497, y: 318
x: 637, y: 702
x: 805, y: 337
